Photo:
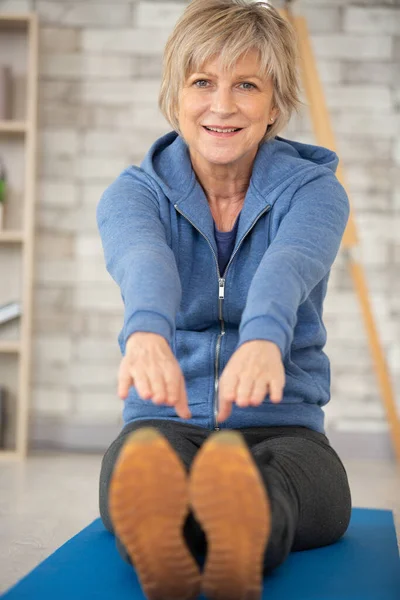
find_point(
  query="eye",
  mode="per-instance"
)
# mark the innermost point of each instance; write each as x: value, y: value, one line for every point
x: 198, y: 81
x: 206, y: 81
x: 248, y: 83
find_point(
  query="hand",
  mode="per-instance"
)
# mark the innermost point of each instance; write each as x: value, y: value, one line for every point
x: 150, y: 365
x: 253, y: 371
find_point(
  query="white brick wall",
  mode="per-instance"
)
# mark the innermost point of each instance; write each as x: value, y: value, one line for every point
x: 100, y: 69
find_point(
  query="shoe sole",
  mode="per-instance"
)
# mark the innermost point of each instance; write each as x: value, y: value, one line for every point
x: 230, y: 502
x: 148, y: 502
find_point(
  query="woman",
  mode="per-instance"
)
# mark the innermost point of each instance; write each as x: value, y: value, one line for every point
x: 222, y: 244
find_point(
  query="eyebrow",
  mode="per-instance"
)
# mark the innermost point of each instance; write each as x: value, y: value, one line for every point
x: 239, y: 76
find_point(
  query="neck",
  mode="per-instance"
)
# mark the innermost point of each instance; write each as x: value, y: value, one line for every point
x: 223, y: 184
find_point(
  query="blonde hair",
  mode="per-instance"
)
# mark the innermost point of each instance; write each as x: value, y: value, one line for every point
x: 231, y: 28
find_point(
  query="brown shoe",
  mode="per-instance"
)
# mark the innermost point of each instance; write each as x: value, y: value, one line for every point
x: 149, y: 502
x: 229, y: 500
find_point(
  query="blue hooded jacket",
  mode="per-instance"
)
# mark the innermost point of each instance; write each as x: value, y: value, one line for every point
x: 157, y: 232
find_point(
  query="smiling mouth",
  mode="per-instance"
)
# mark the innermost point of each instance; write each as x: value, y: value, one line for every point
x: 223, y: 134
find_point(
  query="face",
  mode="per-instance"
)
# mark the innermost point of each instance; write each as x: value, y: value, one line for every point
x: 238, y: 99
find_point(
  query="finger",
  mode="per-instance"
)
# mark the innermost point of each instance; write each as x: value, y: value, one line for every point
x: 244, y: 389
x: 259, y: 392
x: 276, y: 389
x: 173, y: 386
x: 225, y: 409
x: 125, y: 380
x: 181, y: 407
x: 159, y: 394
x: 227, y: 387
x: 142, y: 384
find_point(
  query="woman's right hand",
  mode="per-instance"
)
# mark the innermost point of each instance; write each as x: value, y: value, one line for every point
x: 150, y: 365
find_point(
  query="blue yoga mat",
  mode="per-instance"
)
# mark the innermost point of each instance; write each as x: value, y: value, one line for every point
x: 363, y: 565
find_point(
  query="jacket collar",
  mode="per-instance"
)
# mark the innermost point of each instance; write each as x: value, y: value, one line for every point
x: 276, y: 163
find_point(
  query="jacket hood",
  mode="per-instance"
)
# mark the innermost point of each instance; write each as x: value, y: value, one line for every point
x: 168, y: 163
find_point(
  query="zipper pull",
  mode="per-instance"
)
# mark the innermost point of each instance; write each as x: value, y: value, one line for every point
x: 221, y: 288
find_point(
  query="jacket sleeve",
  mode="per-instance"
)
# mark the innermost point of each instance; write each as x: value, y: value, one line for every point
x: 301, y: 254
x: 138, y: 257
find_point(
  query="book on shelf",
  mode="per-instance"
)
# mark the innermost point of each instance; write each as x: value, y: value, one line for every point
x: 9, y: 311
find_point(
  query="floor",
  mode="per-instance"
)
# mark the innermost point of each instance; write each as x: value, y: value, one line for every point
x: 52, y: 496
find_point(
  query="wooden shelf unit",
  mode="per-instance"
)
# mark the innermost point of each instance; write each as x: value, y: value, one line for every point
x: 23, y: 131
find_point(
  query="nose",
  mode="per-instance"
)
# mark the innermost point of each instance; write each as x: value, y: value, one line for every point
x: 223, y: 102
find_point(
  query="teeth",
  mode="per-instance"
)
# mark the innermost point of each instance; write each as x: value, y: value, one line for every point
x: 221, y: 130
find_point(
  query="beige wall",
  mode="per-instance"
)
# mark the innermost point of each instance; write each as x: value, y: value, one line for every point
x: 100, y: 68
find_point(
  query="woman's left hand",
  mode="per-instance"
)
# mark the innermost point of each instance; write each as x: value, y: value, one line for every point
x: 253, y: 371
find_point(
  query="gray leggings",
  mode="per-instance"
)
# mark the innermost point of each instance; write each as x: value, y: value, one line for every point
x: 306, y: 482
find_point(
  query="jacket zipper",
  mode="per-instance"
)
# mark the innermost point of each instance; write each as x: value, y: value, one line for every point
x: 221, y: 297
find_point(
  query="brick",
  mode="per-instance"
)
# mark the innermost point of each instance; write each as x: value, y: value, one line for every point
x: 379, y: 226
x: 367, y: 177
x: 83, y: 13
x: 146, y: 66
x: 106, y: 117
x: 56, y: 271
x: 153, y: 119
x: 52, y: 299
x: 372, y: 20
x: 102, y: 376
x: 106, y: 143
x: 361, y: 47
x: 101, y: 297
x: 60, y: 246
x: 393, y: 357
x: 371, y: 72
x: 91, y: 193
x: 138, y: 93
x: 56, y: 219
x: 88, y: 246
x: 98, y: 407
x: 396, y: 152
x: 365, y: 97
x: 102, y: 169
x: 51, y: 400
x: 54, y: 114
x: 364, y: 149
x: 52, y: 324
x: 99, y: 323
x: 50, y: 373
x: 53, y: 348
x: 87, y: 219
x: 366, y: 125
x: 329, y: 71
x: 58, y: 142
x: 96, y: 350
x: 343, y: 304
x: 68, y: 92
x: 370, y: 202
x: 323, y: 19
x: 57, y: 166
x: 91, y: 271
x: 126, y: 41
x: 14, y: 7
x: 303, y: 3
x: 360, y: 424
x: 161, y: 15
x: 59, y: 39
x: 57, y: 193
x: 79, y: 66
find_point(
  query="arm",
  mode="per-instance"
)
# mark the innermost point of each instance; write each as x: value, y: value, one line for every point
x: 302, y: 253
x: 137, y: 255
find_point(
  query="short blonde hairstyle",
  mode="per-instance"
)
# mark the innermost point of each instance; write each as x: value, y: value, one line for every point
x: 229, y: 29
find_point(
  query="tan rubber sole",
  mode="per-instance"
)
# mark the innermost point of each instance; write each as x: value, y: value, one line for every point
x: 229, y: 500
x: 149, y: 502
